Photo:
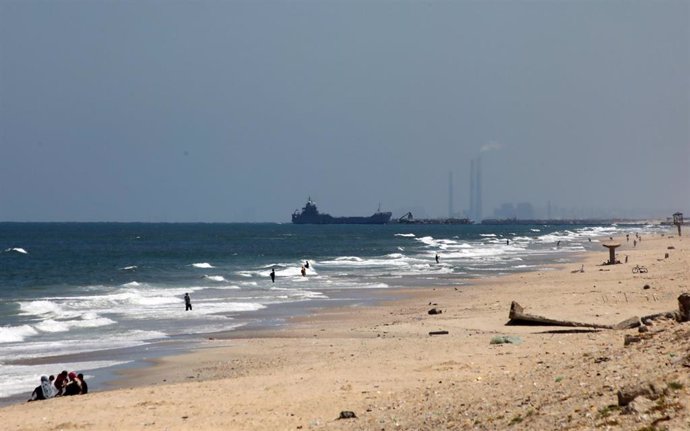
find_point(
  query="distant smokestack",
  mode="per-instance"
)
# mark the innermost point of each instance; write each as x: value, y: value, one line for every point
x: 472, y: 174
x: 450, y: 194
x: 478, y: 193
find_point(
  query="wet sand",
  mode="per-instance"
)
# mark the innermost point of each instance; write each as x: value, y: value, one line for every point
x: 381, y: 363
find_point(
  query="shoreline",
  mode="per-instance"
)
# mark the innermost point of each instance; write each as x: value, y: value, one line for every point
x: 253, y: 323
x: 143, y: 357
x: 291, y: 314
x: 118, y: 306
x: 379, y: 361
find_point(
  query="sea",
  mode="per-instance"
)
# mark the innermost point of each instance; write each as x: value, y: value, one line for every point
x: 100, y: 297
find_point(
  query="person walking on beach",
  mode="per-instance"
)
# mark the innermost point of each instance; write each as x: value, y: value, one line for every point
x: 187, y: 302
x: 437, y: 258
x: 273, y: 275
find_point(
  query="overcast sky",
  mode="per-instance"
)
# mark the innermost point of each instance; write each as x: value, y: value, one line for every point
x: 240, y: 110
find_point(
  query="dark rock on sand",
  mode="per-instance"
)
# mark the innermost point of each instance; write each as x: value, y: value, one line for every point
x: 347, y: 414
x: 629, y: 339
x: 650, y: 390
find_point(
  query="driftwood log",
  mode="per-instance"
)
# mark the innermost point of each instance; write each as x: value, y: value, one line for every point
x: 518, y: 316
x: 682, y: 315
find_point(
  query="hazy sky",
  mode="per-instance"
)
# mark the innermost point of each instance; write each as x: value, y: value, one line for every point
x: 239, y: 110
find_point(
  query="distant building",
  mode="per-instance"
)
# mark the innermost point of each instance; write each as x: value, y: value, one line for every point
x: 524, y: 211
x: 506, y: 210
x: 521, y: 211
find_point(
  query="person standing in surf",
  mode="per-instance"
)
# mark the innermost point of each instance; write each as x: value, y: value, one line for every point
x: 187, y: 302
x: 273, y: 275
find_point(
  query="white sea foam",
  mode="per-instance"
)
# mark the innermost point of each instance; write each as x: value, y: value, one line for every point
x: 165, y: 304
x: 208, y: 329
x: 154, y: 300
x: 215, y: 277
x: 215, y: 307
x: 297, y: 294
x: 51, y: 325
x: 428, y: 240
x: 89, y: 320
x: 203, y: 265
x: 14, y: 334
x: 406, y: 235
x: 40, y: 307
x: 364, y: 263
x: 374, y: 286
x: 132, y: 284
x: 519, y: 239
x: 395, y: 255
x: 80, y: 323
x: 354, y: 284
x: 128, y: 300
x: 474, y: 253
x: 129, y: 268
x: 348, y: 259
x: 72, y: 345
x: 16, y: 250
x: 292, y: 271
x: 488, y: 235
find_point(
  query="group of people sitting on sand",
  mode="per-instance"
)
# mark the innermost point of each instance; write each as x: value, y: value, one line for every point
x: 62, y: 385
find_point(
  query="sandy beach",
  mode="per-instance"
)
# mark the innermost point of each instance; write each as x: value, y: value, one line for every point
x: 381, y: 363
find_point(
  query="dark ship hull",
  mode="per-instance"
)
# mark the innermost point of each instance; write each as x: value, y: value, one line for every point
x: 409, y: 219
x: 377, y: 218
x: 311, y: 215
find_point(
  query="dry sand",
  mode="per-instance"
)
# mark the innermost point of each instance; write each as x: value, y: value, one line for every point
x: 381, y: 363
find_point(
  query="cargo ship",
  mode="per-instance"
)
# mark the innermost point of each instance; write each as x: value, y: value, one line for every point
x: 311, y: 215
x: 409, y: 219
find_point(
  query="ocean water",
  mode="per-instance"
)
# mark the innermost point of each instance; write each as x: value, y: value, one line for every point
x: 81, y: 288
